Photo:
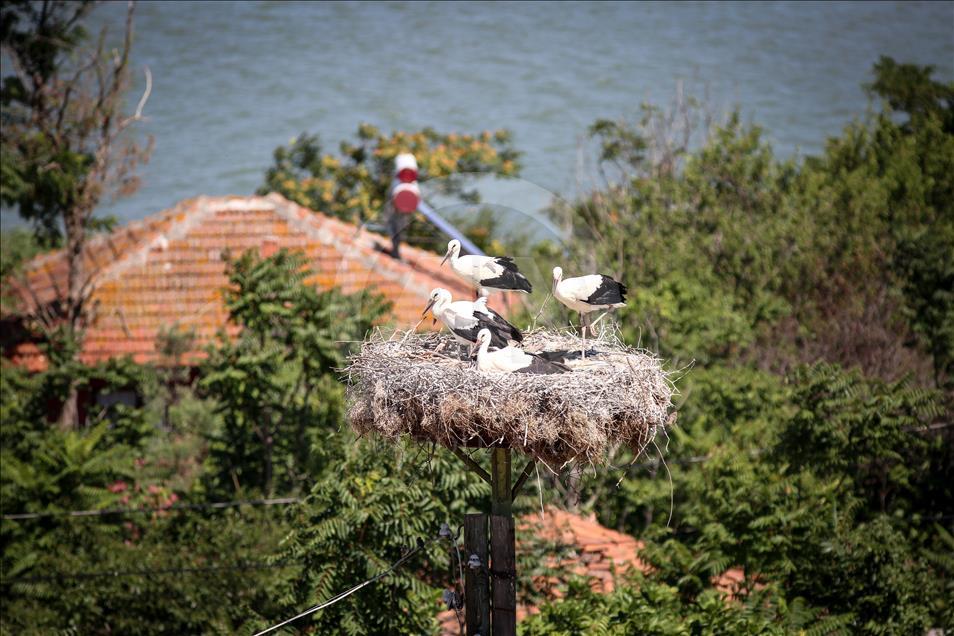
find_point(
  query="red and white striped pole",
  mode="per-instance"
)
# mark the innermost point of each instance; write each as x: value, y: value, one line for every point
x: 405, y: 199
x: 405, y: 193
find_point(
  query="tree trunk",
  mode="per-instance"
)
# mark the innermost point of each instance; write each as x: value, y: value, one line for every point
x: 69, y: 412
x: 75, y: 225
x: 75, y: 242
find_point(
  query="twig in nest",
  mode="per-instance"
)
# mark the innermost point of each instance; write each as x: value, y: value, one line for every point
x: 413, y: 329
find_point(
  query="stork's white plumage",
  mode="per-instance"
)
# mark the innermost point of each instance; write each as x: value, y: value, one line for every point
x: 511, y: 359
x: 466, y: 319
x: 586, y: 294
x: 487, y: 273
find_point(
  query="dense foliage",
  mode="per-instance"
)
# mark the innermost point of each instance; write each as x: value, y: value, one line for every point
x: 646, y: 606
x: 365, y: 515
x: 265, y: 416
x: 814, y: 298
x: 279, y: 401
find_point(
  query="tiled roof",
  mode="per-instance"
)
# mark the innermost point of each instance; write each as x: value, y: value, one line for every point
x: 168, y: 268
x: 595, y: 552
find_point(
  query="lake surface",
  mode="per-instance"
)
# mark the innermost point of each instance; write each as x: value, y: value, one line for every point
x: 235, y: 80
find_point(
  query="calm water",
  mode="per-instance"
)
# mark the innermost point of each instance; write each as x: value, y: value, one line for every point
x: 234, y: 80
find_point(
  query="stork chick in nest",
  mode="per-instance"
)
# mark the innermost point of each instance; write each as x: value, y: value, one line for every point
x: 512, y: 359
x: 586, y: 294
x: 487, y: 273
x: 465, y: 319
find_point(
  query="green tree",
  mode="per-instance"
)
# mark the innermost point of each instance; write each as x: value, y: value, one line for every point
x: 820, y: 481
x: 16, y: 247
x: 63, y: 137
x: 843, y: 257
x: 909, y: 88
x: 925, y: 258
x: 160, y: 573
x: 362, y: 517
x: 643, y: 605
x: 274, y: 382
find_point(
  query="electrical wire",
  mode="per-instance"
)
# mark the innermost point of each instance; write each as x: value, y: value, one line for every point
x: 218, y: 505
x: 248, y: 565
x: 460, y: 579
x: 317, y: 608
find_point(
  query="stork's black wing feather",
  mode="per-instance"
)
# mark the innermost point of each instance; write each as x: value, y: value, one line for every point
x: 499, y: 337
x: 566, y: 356
x: 510, y: 278
x: 610, y: 292
x: 470, y: 333
x: 495, y: 321
x: 542, y: 366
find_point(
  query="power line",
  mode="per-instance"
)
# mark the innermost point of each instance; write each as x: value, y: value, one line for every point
x: 317, y: 608
x: 218, y: 505
x: 244, y: 565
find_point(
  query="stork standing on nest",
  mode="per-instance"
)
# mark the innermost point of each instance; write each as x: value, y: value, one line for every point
x: 511, y: 359
x: 587, y: 294
x: 487, y: 273
x: 466, y: 319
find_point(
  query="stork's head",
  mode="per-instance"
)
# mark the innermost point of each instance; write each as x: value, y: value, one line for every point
x: 453, y: 249
x: 557, y: 275
x: 482, y: 341
x: 438, y: 298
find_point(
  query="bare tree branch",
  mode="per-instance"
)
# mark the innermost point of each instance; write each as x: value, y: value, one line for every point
x: 75, y: 107
x: 145, y: 95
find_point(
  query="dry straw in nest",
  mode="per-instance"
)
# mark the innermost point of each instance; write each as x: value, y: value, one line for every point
x: 424, y: 386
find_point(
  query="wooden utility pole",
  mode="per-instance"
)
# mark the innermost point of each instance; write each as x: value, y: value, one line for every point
x: 503, y: 565
x: 499, y: 617
x: 476, y: 580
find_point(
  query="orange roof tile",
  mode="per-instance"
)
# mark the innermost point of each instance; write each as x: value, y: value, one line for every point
x: 167, y: 268
x: 598, y: 548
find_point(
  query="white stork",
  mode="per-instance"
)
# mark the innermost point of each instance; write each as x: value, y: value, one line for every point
x: 586, y: 294
x: 511, y: 359
x: 465, y: 319
x: 487, y: 273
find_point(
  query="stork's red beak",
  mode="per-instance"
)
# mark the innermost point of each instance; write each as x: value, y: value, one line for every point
x: 446, y: 256
x: 428, y: 308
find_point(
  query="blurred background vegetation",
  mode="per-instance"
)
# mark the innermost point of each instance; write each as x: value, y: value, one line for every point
x: 808, y: 304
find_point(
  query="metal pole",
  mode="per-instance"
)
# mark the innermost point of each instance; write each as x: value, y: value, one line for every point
x: 447, y: 228
x: 503, y: 566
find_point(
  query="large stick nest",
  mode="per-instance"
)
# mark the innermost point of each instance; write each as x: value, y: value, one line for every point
x: 424, y: 386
